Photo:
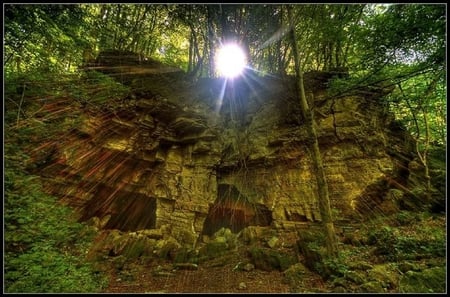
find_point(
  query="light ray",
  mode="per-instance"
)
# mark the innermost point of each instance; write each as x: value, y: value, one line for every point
x: 280, y: 33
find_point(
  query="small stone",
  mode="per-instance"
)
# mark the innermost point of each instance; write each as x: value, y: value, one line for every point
x: 186, y: 266
x: 339, y: 289
x: 163, y: 273
x: 248, y: 267
x: 242, y: 286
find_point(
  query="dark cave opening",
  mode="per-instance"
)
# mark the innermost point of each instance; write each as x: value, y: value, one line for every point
x: 233, y: 210
x: 129, y: 211
x: 134, y: 213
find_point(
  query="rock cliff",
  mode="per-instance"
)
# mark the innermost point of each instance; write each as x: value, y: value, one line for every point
x: 195, y: 157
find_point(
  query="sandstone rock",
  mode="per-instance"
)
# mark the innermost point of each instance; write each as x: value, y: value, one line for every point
x: 163, y: 159
x: 152, y: 233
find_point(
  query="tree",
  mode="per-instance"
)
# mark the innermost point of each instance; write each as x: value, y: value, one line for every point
x: 403, y: 46
x: 322, y: 186
x: 49, y: 37
x: 420, y: 119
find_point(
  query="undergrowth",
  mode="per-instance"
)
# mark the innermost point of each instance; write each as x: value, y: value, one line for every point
x: 45, y: 247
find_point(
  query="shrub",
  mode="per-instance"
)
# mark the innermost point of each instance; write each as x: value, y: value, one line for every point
x: 394, y: 244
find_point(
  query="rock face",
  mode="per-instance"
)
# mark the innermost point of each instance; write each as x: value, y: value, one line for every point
x: 201, y: 156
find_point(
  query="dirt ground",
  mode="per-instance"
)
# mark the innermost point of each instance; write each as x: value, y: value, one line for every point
x: 207, y: 278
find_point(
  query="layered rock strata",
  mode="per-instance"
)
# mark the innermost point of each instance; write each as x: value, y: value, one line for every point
x: 196, y: 157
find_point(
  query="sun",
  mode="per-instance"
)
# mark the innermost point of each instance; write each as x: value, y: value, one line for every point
x: 230, y: 60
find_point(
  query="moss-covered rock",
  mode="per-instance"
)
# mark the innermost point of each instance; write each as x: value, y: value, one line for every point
x: 186, y: 255
x: 431, y: 280
x: 119, y: 262
x: 312, y: 245
x: 273, y: 242
x: 385, y: 275
x: 137, y: 247
x: 372, y: 287
x: 226, y: 236
x: 212, y: 250
x: 339, y: 289
x: 184, y: 237
x: 252, y: 234
x: 360, y: 265
x: 295, y: 273
x: 166, y: 248
x: 355, y: 277
x: 266, y: 259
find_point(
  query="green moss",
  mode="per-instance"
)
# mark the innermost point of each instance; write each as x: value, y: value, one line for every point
x: 431, y: 280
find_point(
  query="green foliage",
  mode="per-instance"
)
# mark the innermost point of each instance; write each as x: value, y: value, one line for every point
x: 44, y: 246
x: 420, y: 104
x: 45, y: 270
x: 46, y: 37
x: 395, y: 244
x: 431, y: 280
x: 402, y: 34
x: 402, y: 47
x: 405, y: 218
x: 385, y: 239
x: 333, y: 267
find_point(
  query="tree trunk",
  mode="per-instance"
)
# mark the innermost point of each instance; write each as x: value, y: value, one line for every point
x: 324, y: 200
x: 212, y: 67
x: 191, y: 49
